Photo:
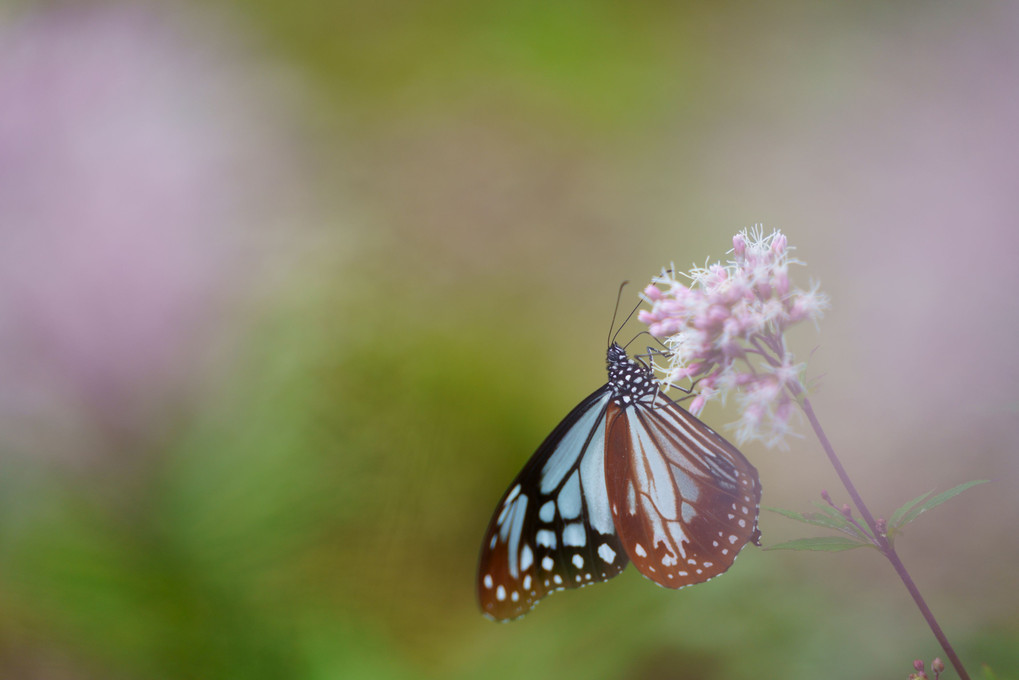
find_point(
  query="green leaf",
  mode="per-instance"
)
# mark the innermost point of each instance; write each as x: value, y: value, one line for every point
x: 914, y: 511
x: 791, y: 514
x: 829, y: 521
x: 830, y: 518
x: 823, y: 543
x: 844, y: 524
x: 815, y: 518
x: 898, y: 514
x: 834, y: 515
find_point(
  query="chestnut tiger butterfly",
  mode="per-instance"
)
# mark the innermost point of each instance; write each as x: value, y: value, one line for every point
x: 627, y: 476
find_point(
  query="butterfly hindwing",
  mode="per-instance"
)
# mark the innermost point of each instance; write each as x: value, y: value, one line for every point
x: 553, y: 529
x: 684, y: 500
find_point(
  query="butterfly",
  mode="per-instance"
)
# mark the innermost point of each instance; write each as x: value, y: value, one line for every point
x: 627, y: 476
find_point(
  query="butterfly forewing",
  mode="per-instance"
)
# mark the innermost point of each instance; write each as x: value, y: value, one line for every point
x: 553, y: 529
x: 684, y: 501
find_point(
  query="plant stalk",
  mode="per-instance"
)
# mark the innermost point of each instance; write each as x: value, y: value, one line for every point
x: 882, y: 542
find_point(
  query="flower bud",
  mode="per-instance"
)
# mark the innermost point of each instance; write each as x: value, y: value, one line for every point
x: 739, y: 245
x: 778, y: 244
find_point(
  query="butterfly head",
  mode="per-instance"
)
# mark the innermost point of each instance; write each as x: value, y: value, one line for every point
x: 629, y: 380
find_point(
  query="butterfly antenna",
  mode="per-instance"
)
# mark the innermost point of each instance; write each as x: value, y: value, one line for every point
x: 629, y: 316
x: 619, y: 297
x: 652, y: 352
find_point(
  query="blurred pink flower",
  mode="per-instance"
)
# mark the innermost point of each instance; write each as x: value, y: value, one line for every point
x: 121, y: 155
x: 725, y: 330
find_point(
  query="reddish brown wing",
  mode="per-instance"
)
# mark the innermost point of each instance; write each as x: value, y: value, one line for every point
x: 684, y: 501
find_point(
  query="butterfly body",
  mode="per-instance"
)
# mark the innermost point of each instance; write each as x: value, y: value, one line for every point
x: 628, y: 475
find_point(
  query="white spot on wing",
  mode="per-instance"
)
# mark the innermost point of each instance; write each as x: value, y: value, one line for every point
x: 546, y: 538
x: 606, y: 553
x: 574, y: 535
x: 547, y: 512
x: 578, y: 561
x: 526, y: 558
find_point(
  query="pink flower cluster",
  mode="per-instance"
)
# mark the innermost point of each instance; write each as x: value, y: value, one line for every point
x: 725, y: 330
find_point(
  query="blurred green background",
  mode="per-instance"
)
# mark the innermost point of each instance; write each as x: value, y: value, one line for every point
x: 289, y: 292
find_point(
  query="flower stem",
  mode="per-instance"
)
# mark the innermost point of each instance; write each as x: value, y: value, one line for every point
x: 881, y: 541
